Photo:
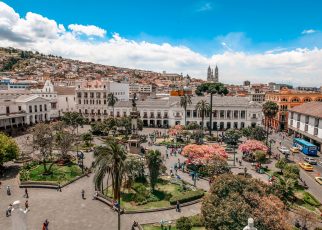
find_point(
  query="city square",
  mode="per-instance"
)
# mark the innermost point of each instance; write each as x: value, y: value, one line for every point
x: 160, y: 115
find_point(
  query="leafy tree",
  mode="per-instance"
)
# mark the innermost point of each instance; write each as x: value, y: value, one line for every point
x: 185, y: 100
x: 87, y: 138
x: 232, y: 137
x: 183, y: 223
x: 192, y: 125
x: 154, y: 162
x: 255, y: 133
x: 216, y: 166
x: 111, y: 101
x: 232, y: 199
x: 64, y: 141
x: 280, y: 164
x: 270, y: 109
x: 43, y: 140
x: 260, y: 156
x: 291, y: 171
x: 134, y: 169
x: 9, y: 149
x: 109, y: 124
x: 73, y: 120
x: 284, y: 188
x: 203, y: 108
x: 206, y: 87
x: 98, y: 127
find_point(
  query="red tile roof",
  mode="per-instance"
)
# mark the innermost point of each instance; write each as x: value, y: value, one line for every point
x: 310, y: 108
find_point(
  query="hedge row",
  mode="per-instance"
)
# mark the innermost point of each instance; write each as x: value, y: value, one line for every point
x: 310, y: 199
x: 187, y: 197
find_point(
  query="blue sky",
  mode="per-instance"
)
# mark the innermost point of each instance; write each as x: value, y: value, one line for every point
x: 257, y: 40
x: 254, y: 25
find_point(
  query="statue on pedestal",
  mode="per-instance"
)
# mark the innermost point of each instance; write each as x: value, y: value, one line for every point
x: 250, y: 225
x: 18, y: 217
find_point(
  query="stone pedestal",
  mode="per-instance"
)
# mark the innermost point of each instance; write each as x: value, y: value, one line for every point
x: 18, y: 217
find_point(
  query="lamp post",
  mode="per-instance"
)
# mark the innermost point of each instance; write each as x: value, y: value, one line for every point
x: 218, y: 131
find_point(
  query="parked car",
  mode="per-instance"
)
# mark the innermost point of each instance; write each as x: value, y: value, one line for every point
x: 284, y: 150
x: 294, y: 149
x: 306, y: 166
x: 319, y: 180
x: 310, y: 160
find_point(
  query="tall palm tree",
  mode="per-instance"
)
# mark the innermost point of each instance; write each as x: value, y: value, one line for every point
x: 215, y: 88
x: 185, y: 100
x: 110, y: 161
x: 203, y: 108
x: 111, y: 100
x: 270, y: 109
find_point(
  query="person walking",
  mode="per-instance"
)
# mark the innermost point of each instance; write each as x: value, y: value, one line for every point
x: 8, y: 190
x: 26, y: 205
x: 59, y: 188
x: 178, y: 207
x: 45, y: 225
x: 8, y: 212
x: 26, y: 193
x: 83, y: 194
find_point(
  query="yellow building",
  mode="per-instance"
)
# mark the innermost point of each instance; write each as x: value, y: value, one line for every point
x: 286, y: 99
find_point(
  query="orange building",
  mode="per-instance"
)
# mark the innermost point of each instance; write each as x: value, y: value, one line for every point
x: 286, y: 99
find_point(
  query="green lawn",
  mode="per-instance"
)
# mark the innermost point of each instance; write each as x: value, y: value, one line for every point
x: 158, y: 227
x: 61, y: 174
x: 160, y: 198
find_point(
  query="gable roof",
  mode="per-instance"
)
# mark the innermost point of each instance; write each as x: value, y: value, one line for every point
x: 313, y: 109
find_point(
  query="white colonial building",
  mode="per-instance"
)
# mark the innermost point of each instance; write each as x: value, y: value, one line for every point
x: 140, y: 88
x: 228, y: 112
x: 305, y: 121
x: 23, y: 110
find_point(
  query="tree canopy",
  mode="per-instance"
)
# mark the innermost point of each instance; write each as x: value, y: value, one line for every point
x: 232, y: 199
x: 9, y: 149
x: 216, y: 88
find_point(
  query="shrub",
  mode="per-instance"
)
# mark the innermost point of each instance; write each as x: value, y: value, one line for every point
x: 197, y: 220
x: 260, y: 156
x: 310, y: 199
x: 183, y: 223
x: 187, y: 197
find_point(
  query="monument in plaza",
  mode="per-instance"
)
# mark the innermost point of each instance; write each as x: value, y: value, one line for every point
x: 18, y: 217
x: 134, y: 141
x: 250, y: 225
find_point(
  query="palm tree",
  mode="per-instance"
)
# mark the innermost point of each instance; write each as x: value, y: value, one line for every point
x: 110, y: 161
x: 185, y: 100
x: 203, y: 107
x: 111, y: 100
x: 270, y: 109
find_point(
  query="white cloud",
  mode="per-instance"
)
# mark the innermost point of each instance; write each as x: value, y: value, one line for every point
x: 310, y: 31
x: 35, y: 32
x: 205, y: 7
x: 88, y: 30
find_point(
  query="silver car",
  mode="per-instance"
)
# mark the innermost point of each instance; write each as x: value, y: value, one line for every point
x: 310, y: 160
x: 284, y: 150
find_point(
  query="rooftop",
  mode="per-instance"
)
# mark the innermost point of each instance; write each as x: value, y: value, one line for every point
x: 313, y: 109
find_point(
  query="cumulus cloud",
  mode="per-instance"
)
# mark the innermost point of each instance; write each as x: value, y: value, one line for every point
x: 36, y: 32
x: 310, y: 31
x: 89, y: 30
x: 205, y: 7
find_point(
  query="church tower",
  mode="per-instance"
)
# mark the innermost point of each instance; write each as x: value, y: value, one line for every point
x: 209, y: 74
x: 216, y: 75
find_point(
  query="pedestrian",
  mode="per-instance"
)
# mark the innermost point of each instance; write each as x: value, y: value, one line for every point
x: 8, y: 212
x: 26, y: 205
x: 45, y: 225
x: 8, y: 190
x: 26, y: 193
x: 167, y: 155
x: 178, y: 161
x: 59, y: 188
x: 83, y: 194
x: 237, y: 159
x: 178, y: 207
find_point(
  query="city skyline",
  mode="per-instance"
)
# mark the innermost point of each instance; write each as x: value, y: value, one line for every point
x: 260, y: 50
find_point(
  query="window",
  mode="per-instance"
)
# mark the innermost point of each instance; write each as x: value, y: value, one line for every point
x: 40, y: 108
x: 242, y: 125
x: 30, y: 109
x: 228, y: 114
x: 254, y: 115
x: 243, y: 114
x: 215, y: 113
x: 124, y: 114
x: 236, y: 114
x: 80, y: 111
x: 35, y: 108
x: 67, y: 99
x: 284, y: 99
x: 13, y: 120
x: 188, y: 113
x: 19, y: 108
x: 79, y: 94
x: 222, y: 113
x: 99, y: 112
x: 194, y: 113
x: 7, y: 109
x: 105, y: 112
x: 295, y: 99
x: 306, y: 119
x: 79, y: 101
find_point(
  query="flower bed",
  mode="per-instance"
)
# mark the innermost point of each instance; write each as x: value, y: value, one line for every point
x: 252, y: 146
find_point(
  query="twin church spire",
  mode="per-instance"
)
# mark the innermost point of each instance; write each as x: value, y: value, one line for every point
x: 213, y: 76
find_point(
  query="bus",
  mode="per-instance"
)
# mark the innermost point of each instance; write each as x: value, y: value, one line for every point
x: 305, y: 147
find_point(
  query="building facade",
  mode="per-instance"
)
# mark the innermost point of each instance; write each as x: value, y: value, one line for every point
x: 228, y: 112
x: 140, y: 88
x: 305, y: 121
x: 23, y: 110
x: 287, y: 99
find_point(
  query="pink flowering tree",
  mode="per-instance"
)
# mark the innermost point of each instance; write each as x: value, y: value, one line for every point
x: 201, y: 154
x: 176, y: 130
x: 252, y: 146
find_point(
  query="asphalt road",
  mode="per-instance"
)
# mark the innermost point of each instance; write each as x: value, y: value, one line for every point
x: 308, y: 177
